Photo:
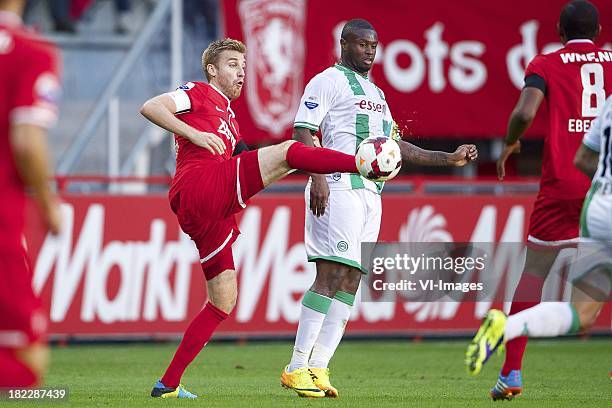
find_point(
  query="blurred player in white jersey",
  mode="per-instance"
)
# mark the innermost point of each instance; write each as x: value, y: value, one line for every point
x: 591, y: 272
x: 343, y: 209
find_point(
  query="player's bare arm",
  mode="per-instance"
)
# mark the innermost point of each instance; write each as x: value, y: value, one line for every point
x: 29, y: 146
x: 586, y: 160
x: 306, y: 136
x: 319, y: 189
x: 415, y: 155
x: 521, y: 118
x: 160, y: 110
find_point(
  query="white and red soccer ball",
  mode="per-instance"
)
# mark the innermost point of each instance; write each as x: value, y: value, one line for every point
x: 378, y: 158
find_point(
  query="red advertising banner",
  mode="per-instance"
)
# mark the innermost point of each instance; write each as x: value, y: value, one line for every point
x: 448, y: 68
x: 123, y: 268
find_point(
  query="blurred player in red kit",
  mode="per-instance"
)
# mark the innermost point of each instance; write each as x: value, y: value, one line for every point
x: 575, y: 82
x: 215, y: 176
x: 29, y: 81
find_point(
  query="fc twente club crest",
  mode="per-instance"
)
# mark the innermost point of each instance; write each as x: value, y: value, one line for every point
x: 274, y: 34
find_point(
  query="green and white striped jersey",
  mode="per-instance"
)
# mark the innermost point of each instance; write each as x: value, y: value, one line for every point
x: 599, y: 139
x: 347, y: 108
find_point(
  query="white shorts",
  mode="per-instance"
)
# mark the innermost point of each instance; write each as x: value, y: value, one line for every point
x: 351, y: 217
x: 596, y: 219
x: 595, y: 247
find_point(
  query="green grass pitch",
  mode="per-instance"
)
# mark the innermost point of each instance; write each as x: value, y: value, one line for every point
x: 368, y: 374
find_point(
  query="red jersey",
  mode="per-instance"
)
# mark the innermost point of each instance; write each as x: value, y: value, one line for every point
x: 29, y: 89
x: 578, y: 80
x: 209, y: 189
x: 207, y: 110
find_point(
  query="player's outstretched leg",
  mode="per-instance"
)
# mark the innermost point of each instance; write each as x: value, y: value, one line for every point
x: 276, y: 161
x: 548, y: 319
x: 487, y: 339
x: 272, y: 163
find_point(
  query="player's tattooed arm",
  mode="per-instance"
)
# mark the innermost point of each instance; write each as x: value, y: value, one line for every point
x: 586, y: 160
x: 415, y: 155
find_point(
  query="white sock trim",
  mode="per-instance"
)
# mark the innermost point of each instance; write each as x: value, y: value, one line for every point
x: 330, y: 334
x: 309, y: 327
x: 547, y: 319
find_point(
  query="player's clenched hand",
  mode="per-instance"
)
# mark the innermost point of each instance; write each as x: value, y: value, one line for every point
x: 209, y: 141
x: 52, y: 215
x: 463, y: 155
x: 501, y: 162
x: 319, y: 194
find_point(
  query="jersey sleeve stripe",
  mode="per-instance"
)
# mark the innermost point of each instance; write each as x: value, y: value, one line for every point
x: 591, y: 145
x: 181, y: 100
x: 13, y: 339
x: 306, y: 125
x: 33, y: 115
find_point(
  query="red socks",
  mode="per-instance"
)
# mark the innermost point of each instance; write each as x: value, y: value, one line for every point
x: 195, y: 338
x: 527, y: 294
x: 319, y: 160
x: 515, y: 348
x: 14, y: 373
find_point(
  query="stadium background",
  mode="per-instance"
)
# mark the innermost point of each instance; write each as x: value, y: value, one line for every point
x: 451, y: 72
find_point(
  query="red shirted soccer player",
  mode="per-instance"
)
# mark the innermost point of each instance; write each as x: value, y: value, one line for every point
x: 29, y: 71
x: 215, y: 176
x: 575, y: 82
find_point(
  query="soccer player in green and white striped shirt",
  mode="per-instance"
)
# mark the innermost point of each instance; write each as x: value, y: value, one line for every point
x: 343, y: 210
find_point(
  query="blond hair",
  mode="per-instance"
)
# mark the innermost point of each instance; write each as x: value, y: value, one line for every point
x: 213, y: 51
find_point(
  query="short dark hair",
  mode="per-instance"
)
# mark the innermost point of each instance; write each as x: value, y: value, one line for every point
x: 579, y: 19
x: 354, y: 25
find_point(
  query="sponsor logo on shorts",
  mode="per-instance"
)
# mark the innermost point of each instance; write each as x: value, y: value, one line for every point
x: 336, y: 176
x: 342, y: 246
